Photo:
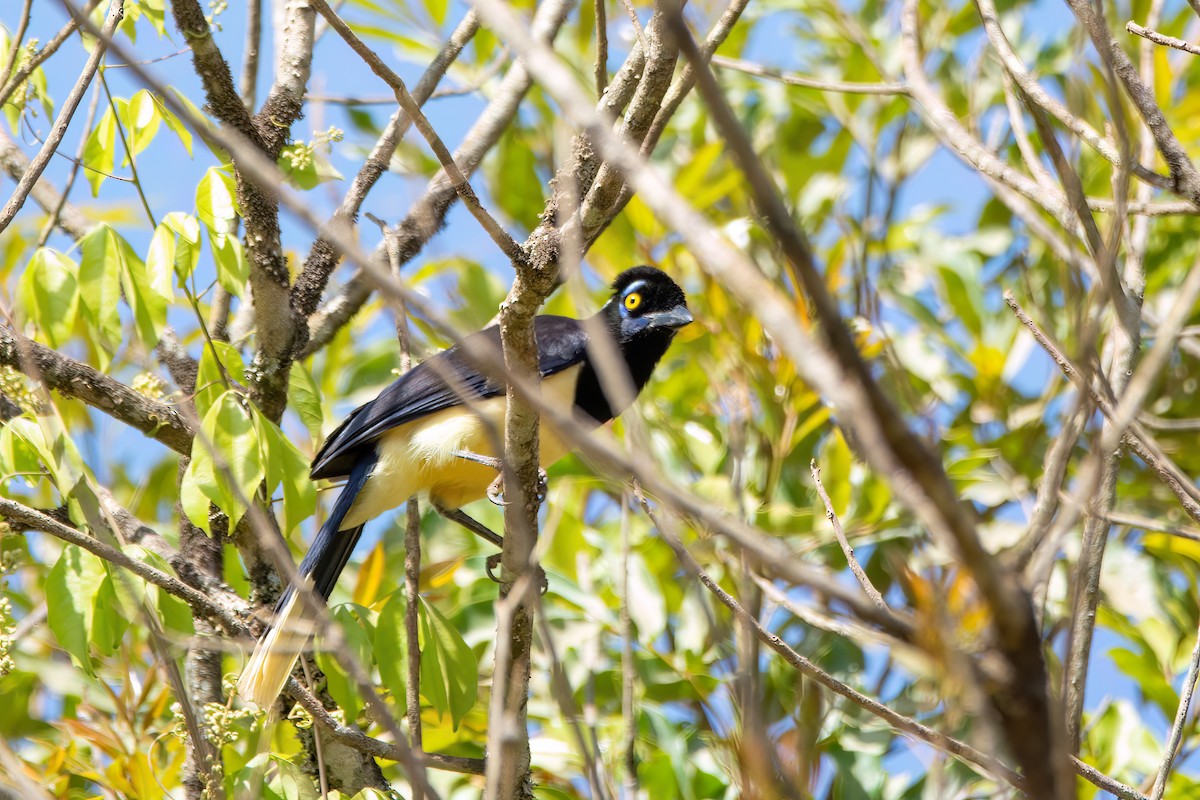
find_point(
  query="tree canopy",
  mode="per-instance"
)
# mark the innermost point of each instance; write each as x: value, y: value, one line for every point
x: 909, y: 512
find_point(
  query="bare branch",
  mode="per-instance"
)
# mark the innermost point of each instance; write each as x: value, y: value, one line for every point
x: 249, y: 82
x: 942, y: 122
x: 1017, y: 70
x: 1181, y: 715
x: 376, y: 747
x: 413, y: 110
x: 322, y: 258
x: 31, y: 519
x: 74, y: 379
x: 115, y: 12
x: 1161, y: 38
x: 38, y: 58
x: 796, y: 79
x: 601, y: 69
x: 1184, y: 177
x: 69, y: 219
x: 847, y: 550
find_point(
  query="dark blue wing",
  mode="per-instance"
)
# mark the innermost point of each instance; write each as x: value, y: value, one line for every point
x: 422, y: 390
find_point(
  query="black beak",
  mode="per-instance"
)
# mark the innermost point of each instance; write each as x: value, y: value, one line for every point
x: 673, y: 318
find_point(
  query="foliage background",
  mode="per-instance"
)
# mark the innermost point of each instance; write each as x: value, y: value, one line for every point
x: 914, y: 245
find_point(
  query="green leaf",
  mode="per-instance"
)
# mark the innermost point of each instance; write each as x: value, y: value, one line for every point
x: 17, y: 453
x: 391, y: 650
x: 216, y: 201
x: 198, y: 484
x: 100, y: 285
x: 49, y: 294
x: 160, y: 261
x: 286, y: 466
x: 305, y: 398
x: 142, y: 121
x: 109, y: 266
x: 449, y: 669
x: 176, y: 615
x: 965, y: 298
x: 99, y: 153
x: 437, y: 10
x: 217, y: 360
x: 109, y: 620
x: 71, y: 589
x: 187, y: 245
x: 149, y: 307
x: 356, y: 628
x: 172, y: 121
x: 273, y: 777
x: 106, y: 256
x: 230, y: 428
x: 233, y: 272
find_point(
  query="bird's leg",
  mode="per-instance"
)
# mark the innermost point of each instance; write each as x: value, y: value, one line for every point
x: 495, y: 491
x: 484, y: 532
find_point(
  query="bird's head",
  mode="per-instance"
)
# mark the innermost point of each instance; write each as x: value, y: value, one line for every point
x: 646, y: 303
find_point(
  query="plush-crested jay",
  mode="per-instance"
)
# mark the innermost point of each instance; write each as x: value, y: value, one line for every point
x: 419, y: 437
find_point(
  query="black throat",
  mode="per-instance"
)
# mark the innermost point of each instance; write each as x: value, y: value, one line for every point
x: 639, y: 355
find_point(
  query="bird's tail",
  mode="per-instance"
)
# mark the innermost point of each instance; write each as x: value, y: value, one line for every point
x: 295, y: 616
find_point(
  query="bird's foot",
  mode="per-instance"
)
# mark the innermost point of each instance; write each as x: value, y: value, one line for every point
x: 493, y: 561
x: 495, y: 491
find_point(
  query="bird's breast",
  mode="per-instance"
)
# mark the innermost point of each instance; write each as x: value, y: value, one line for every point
x: 420, y: 456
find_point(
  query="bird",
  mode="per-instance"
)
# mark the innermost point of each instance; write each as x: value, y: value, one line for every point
x: 420, y: 437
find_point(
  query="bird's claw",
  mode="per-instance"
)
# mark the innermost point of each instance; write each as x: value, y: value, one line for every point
x: 493, y: 561
x: 490, y: 565
x: 495, y: 491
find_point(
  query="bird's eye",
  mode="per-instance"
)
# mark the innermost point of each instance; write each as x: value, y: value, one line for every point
x: 633, y: 301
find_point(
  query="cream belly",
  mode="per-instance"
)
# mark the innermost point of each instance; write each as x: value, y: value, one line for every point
x: 418, y: 457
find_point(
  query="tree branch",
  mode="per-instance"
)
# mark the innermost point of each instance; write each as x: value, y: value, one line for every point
x: 14, y: 162
x: 795, y: 79
x: 71, y: 378
x: 413, y: 110
x: 116, y: 11
x: 1162, y: 38
x: 322, y: 258
x: 1185, y: 180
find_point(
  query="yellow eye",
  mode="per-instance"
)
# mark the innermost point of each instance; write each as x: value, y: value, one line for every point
x: 633, y: 301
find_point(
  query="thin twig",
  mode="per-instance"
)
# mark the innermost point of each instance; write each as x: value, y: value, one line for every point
x: 56, y: 214
x: 947, y: 744
x: 1162, y: 38
x: 1181, y: 715
x: 796, y: 79
x: 137, y: 184
x: 15, y: 47
x: 639, y: 32
x: 628, y: 668
x: 75, y: 379
x: 322, y: 258
x: 1029, y: 84
x: 115, y: 12
x: 498, y: 235
x: 36, y: 60
x: 249, y: 81
x: 855, y: 567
